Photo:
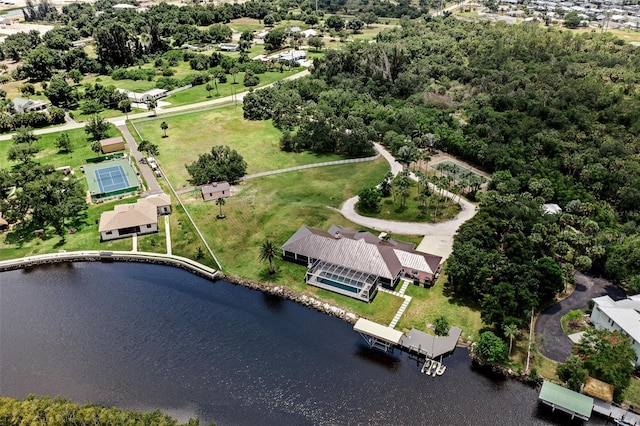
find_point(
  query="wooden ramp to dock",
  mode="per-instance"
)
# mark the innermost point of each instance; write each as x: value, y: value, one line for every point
x: 428, y: 345
x: 615, y: 413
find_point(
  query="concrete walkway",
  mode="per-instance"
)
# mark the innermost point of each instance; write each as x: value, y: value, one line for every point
x: 134, y: 241
x: 167, y: 230
x: 558, y: 345
x: 438, y: 236
x: 403, y: 307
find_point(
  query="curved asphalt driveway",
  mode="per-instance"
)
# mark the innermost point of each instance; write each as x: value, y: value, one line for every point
x: 438, y: 238
x: 558, y: 345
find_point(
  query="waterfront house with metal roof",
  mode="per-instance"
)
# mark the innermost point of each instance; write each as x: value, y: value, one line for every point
x: 622, y: 315
x: 354, y: 263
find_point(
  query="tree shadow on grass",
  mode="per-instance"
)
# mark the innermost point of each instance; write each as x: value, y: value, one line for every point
x: 23, y: 232
x: 264, y: 275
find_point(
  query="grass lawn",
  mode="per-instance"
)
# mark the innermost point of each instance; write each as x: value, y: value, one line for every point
x: 190, y: 135
x: 106, y: 113
x: 427, y: 304
x: 255, y: 214
x: 49, y: 154
x: 546, y: 367
x: 413, y: 211
x: 626, y: 35
x: 246, y: 24
x: 86, y: 237
x: 132, y: 85
x: 632, y: 394
x: 273, y: 208
x: 200, y: 94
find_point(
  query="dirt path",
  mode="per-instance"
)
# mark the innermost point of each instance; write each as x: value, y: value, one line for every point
x: 558, y: 346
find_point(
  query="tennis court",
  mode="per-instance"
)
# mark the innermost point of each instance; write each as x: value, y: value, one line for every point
x: 454, y: 170
x: 111, y: 178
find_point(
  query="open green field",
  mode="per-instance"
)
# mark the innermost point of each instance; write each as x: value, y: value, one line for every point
x: 49, y: 154
x: 200, y: 94
x: 190, y: 135
x: 430, y: 303
x: 626, y: 35
x: 273, y: 208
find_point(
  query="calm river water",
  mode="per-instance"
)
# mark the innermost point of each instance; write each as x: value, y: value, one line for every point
x: 141, y: 337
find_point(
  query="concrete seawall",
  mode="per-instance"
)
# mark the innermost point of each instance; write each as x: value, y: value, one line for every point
x: 112, y: 256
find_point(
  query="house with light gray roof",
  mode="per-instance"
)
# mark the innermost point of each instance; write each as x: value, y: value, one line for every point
x: 622, y: 315
x: 354, y: 263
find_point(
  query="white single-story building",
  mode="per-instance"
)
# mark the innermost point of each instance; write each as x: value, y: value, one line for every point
x: 145, y: 97
x: 623, y: 316
x: 139, y: 218
x: 292, y: 55
x: 228, y: 47
x: 22, y: 105
x: 309, y: 33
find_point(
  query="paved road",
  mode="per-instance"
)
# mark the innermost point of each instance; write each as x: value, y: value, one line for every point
x: 558, y: 345
x: 119, y: 121
x: 438, y: 236
x: 152, y: 184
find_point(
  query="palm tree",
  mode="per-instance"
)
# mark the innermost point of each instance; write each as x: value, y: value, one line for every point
x: 152, y: 105
x: 220, y: 202
x: 125, y: 106
x: 268, y: 252
x: 510, y: 331
x: 164, y: 126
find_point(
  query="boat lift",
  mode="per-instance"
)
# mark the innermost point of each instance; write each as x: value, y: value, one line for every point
x: 377, y: 335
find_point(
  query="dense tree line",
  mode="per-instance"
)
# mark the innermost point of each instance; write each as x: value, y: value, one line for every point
x: 549, y: 112
x: 58, y: 411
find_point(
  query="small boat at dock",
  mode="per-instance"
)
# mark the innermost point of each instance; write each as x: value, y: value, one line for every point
x: 426, y: 368
x: 434, y: 367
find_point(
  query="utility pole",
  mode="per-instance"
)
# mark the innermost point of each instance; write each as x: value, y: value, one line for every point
x: 526, y: 370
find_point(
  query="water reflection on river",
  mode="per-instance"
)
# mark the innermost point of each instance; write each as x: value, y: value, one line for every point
x: 141, y: 336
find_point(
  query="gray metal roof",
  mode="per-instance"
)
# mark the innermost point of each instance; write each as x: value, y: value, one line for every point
x: 358, y: 250
x: 355, y: 254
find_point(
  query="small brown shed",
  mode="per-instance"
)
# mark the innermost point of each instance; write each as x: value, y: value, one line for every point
x: 112, y: 145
